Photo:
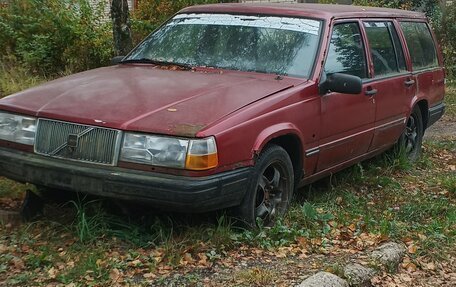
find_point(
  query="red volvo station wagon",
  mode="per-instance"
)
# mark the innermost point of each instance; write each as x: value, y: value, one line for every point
x: 231, y: 106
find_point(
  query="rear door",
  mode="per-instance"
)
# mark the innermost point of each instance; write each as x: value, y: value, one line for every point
x: 346, y: 120
x: 425, y: 63
x: 393, y: 83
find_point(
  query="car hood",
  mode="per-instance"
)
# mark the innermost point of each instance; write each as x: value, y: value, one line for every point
x: 146, y: 98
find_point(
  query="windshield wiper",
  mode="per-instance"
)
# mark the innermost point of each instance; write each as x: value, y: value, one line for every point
x: 156, y: 62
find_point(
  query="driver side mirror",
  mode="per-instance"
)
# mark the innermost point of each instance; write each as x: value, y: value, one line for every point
x: 340, y: 83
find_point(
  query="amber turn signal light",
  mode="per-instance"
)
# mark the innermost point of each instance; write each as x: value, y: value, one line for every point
x: 202, y: 154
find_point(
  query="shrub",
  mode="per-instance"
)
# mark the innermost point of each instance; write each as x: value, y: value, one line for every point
x: 52, y: 36
x: 447, y: 35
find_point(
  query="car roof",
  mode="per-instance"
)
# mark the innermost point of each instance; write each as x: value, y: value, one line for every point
x: 321, y: 11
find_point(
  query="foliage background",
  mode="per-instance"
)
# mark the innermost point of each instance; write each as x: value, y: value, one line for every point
x: 44, y: 39
x: 54, y: 36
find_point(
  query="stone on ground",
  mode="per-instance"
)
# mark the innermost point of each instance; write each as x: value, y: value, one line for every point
x: 358, y: 275
x: 324, y: 279
x: 389, y: 254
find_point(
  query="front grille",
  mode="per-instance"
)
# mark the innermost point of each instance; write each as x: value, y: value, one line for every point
x: 77, y: 142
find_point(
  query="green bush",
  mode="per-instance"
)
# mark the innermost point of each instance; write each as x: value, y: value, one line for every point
x: 447, y: 35
x: 53, y: 36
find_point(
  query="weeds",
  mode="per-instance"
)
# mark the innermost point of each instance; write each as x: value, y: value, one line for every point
x: 11, y: 189
x: 90, y: 221
x: 255, y: 277
x: 15, y: 78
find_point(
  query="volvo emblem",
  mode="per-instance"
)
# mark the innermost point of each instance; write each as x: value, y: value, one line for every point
x: 72, y: 141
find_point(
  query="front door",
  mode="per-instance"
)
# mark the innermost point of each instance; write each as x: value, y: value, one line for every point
x: 347, y: 121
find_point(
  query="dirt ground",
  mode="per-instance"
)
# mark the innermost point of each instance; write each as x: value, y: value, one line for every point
x: 441, y: 129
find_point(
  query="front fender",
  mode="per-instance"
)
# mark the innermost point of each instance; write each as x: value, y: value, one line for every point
x: 275, y: 131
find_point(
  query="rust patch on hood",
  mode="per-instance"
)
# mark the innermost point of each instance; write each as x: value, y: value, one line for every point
x: 186, y: 130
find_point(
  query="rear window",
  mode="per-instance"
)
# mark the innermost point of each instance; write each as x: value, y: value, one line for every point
x: 420, y: 44
x: 385, y: 48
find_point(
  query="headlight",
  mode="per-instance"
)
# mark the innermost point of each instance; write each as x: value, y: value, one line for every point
x: 17, y: 128
x: 193, y: 154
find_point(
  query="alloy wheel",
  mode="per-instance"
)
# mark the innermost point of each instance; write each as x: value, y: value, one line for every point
x: 272, y: 193
x: 411, y: 135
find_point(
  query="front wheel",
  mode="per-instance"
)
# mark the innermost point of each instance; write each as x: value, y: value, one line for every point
x: 411, y: 139
x: 270, y: 188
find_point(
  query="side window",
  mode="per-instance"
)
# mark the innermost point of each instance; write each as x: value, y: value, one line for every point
x: 385, y: 48
x: 346, y: 51
x: 420, y: 44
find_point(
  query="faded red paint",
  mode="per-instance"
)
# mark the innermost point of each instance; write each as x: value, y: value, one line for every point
x: 243, y: 110
x: 145, y: 98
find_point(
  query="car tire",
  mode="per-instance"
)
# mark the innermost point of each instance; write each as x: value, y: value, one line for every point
x: 411, y: 139
x: 270, y: 189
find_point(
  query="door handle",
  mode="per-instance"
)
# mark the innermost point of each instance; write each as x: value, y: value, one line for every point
x: 409, y: 83
x: 371, y: 92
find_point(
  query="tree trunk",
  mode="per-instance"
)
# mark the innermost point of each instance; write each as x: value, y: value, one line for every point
x: 121, y: 27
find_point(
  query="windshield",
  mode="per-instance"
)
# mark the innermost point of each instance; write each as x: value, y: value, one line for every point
x: 266, y: 44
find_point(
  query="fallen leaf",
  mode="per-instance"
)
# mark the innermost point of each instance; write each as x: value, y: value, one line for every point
x: 134, y: 263
x: 339, y: 200
x: 412, y: 249
x: 203, y: 259
x: 18, y: 263
x: 52, y: 273
x: 149, y: 275
x: 429, y: 266
x: 114, y: 275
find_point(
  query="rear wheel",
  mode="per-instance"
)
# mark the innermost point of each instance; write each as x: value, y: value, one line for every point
x: 411, y: 139
x: 270, y: 188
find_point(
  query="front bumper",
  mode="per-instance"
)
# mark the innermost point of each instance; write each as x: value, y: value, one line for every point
x: 179, y: 193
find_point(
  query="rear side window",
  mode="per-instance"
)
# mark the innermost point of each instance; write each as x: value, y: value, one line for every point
x: 385, y: 48
x: 346, y: 51
x: 420, y: 44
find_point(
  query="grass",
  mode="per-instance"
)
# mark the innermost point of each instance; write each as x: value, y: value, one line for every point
x: 11, y: 189
x: 88, y: 226
x: 14, y: 78
x: 255, y: 277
